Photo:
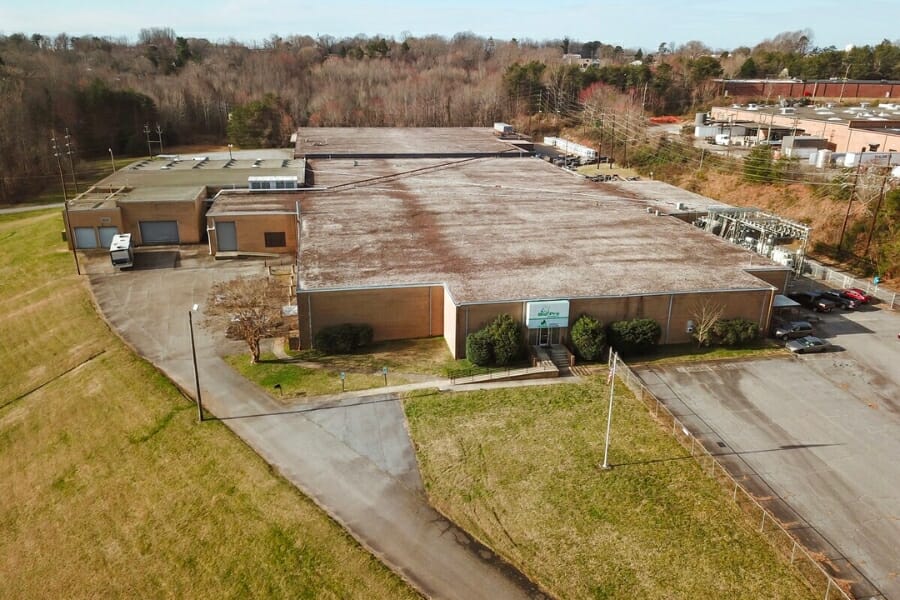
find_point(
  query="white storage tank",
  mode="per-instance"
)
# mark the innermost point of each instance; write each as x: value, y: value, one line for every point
x: 823, y: 159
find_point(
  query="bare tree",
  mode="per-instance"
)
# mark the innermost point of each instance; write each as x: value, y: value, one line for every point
x: 249, y: 308
x: 706, y: 314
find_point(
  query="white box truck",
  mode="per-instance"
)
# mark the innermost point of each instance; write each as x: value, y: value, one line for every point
x: 120, y: 251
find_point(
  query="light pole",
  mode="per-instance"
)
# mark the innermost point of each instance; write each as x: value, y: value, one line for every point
x: 194, y: 355
x: 112, y: 159
x: 611, y: 381
x: 230, y: 157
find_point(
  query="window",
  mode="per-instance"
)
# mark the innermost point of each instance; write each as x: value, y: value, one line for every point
x: 275, y: 239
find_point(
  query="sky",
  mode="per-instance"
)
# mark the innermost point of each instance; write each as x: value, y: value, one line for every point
x: 720, y: 24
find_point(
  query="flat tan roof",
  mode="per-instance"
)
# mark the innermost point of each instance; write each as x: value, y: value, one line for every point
x: 216, y: 173
x: 496, y: 229
x: 106, y: 196
x: 394, y: 141
x: 234, y: 203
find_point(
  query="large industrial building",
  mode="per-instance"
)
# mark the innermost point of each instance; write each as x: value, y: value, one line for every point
x: 861, y: 128
x: 434, y: 232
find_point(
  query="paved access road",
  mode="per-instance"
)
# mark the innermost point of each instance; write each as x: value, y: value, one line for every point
x: 354, y: 460
x: 821, y: 431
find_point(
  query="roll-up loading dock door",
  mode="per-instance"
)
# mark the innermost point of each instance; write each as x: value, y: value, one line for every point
x: 159, y: 232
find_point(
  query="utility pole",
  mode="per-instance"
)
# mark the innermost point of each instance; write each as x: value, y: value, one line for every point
x: 62, y: 182
x: 840, y: 247
x: 159, y: 132
x: 877, y: 207
x: 70, y: 151
x: 147, y: 133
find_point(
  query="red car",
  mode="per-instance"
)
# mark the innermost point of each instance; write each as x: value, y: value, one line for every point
x: 856, y: 294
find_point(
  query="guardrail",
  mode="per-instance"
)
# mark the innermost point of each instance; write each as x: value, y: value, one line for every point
x: 769, y: 525
x: 488, y: 374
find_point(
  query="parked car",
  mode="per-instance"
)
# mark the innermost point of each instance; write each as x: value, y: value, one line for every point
x: 808, y: 344
x: 812, y: 301
x: 856, y: 294
x: 785, y: 330
x: 840, y: 300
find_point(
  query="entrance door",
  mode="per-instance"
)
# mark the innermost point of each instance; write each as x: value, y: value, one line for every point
x: 226, y: 236
x: 545, y: 335
x: 159, y: 232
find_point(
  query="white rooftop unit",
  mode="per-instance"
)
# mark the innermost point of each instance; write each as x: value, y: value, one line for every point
x: 273, y: 182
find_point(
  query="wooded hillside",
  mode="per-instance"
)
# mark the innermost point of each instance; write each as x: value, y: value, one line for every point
x: 109, y: 92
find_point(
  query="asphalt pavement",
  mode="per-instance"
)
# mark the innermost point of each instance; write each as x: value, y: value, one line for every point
x: 354, y: 460
x: 817, y: 436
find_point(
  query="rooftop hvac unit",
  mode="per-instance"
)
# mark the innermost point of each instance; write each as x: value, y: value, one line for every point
x: 650, y: 210
x: 680, y: 206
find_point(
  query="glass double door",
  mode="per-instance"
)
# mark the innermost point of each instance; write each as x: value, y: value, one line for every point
x: 547, y: 336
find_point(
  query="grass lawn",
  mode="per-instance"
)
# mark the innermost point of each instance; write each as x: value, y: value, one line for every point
x: 298, y: 381
x: 425, y: 356
x: 111, y: 488
x: 310, y: 373
x: 677, y: 353
x: 519, y: 469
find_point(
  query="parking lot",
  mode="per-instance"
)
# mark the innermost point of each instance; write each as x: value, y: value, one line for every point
x: 820, y: 433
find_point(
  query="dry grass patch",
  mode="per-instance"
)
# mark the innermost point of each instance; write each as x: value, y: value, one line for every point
x: 111, y: 488
x: 519, y: 469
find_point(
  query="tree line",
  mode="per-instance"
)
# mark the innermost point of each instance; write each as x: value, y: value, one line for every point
x: 106, y: 90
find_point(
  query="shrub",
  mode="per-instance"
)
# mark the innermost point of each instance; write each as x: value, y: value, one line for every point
x: 588, y: 337
x: 344, y: 338
x: 498, y: 343
x: 733, y: 332
x: 637, y: 336
x: 506, y: 339
x: 478, y: 348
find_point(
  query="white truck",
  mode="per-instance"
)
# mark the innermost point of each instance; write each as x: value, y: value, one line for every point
x: 120, y: 251
x: 503, y: 129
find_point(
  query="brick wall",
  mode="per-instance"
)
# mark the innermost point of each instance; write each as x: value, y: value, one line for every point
x: 393, y: 313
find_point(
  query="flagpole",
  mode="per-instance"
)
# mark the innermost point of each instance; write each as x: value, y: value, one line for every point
x: 611, y: 381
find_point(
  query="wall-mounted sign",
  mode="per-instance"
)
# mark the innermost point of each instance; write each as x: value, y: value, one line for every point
x: 553, y: 313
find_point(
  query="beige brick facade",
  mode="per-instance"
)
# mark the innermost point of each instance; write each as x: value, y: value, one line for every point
x: 394, y: 313
x: 412, y: 312
x: 251, y: 232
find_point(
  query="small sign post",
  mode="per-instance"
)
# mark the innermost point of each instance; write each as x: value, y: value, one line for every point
x: 384, y: 372
x: 343, y: 377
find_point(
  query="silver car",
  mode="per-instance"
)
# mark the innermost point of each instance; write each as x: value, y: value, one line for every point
x: 808, y: 344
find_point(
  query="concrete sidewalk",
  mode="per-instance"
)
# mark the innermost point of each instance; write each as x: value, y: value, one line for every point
x: 381, y: 505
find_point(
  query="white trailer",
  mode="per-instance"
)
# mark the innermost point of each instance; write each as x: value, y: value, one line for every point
x: 503, y: 129
x: 120, y: 251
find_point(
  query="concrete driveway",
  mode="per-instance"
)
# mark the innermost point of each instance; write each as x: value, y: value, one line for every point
x: 355, y: 461
x: 819, y: 434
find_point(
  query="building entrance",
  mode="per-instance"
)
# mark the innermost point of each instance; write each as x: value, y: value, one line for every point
x: 546, y: 336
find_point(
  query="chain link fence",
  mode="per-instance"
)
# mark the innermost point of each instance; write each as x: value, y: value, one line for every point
x: 768, y: 525
x: 842, y: 280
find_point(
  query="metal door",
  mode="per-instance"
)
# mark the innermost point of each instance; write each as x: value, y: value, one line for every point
x: 85, y: 237
x: 159, y: 232
x: 106, y: 236
x: 226, y: 236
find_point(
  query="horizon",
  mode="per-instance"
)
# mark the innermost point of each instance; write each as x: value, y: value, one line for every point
x: 718, y: 26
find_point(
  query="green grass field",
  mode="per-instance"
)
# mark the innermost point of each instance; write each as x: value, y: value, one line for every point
x: 519, y: 469
x: 111, y: 488
x: 309, y: 373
